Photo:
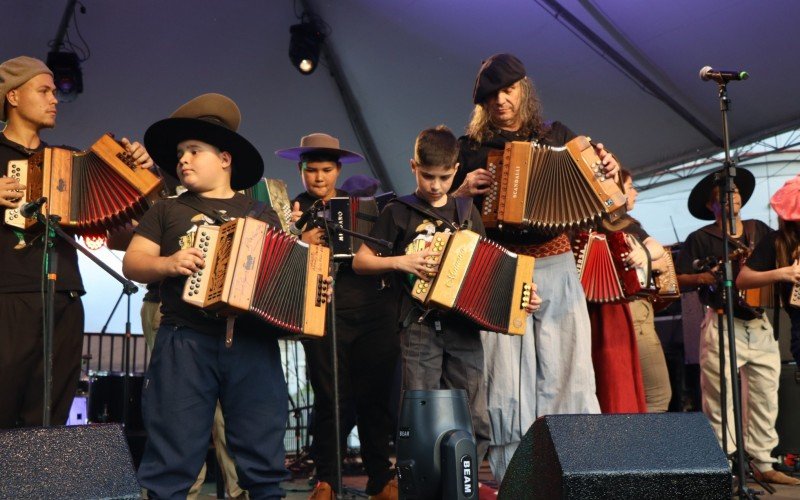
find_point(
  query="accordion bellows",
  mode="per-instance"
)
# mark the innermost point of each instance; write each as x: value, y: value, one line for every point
x: 479, y: 280
x: 604, y: 275
x: 549, y: 188
x: 256, y: 268
x: 91, y: 191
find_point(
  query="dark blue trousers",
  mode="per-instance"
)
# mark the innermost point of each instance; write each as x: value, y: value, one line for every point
x: 188, y: 372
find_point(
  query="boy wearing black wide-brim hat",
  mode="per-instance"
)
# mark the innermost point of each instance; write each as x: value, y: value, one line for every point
x: 191, y: 367
x: 756, y: 348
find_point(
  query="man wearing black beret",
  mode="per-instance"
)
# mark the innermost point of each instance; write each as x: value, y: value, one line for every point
x: 554, y: 373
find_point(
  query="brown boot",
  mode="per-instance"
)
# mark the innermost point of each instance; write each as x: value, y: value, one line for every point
x: 389, y: 492
x: 775, y: 477
x: 322, y: 491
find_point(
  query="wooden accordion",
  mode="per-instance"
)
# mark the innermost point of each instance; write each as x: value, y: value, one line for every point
x: 92, y: 190
x: 273, y: 192
x: 478, y: 279
x: 666, y: 283
x: 356, y: 214
x: 256, y: 268
x: 549, y: 188
x: 604, y: 275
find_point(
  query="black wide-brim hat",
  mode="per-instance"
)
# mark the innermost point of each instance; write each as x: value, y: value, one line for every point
x: 209, y: 118
x: 701, y: 193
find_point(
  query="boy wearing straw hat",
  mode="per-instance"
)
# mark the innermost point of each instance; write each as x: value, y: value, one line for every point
x: 368, y: 345
x: 191, y: 367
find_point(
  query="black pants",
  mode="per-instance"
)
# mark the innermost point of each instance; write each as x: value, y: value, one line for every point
x: 368, y: 351
x: 22, y: 359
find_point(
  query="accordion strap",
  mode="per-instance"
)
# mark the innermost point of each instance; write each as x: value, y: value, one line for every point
x: 215, y: 215
x: 463, y: 210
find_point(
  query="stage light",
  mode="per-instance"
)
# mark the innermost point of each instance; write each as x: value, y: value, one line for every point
x: 304, y: 46
x: 436, y: 449
x: 67, y: 74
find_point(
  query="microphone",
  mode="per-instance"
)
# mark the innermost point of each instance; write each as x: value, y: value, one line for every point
x: 29, y: 209
x: 705, y: 264
x: 721, y: 75
x: 296, y: 229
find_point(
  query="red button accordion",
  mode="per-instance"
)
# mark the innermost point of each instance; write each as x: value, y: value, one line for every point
x: 604, y: 275
x: 478, y: 279
x: 549, y: 188
x: 91, y: 191
x: 256, y: 268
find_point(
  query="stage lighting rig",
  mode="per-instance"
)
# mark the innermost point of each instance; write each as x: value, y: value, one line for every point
x: 305, y: 42
x: 67, y: 74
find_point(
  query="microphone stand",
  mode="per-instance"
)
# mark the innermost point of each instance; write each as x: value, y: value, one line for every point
x: 725, y: 181
x: 52, y: 230
x: 335, y: 262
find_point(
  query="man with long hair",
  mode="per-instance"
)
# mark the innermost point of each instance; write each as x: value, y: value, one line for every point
x: 549, y: 369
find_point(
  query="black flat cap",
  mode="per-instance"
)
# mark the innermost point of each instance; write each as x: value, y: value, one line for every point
x: 497, y: 72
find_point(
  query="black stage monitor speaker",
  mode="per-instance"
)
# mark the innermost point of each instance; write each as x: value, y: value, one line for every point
x: 637, y: 456
x: 81, y: 462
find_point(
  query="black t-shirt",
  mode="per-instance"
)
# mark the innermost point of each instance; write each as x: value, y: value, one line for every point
x: 473, y: 155
x: 22, y: 267
x: 765, y: 258
x: 172, y: 224
x: 354, y: 291
x: 702, y: 244
x: 400, y: 225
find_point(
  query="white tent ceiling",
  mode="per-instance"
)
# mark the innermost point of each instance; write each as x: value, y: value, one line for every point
x: 411, y: 64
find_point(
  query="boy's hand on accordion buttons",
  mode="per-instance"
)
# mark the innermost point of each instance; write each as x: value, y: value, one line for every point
x: 184, y: 262
x: 535, y: 302
x: 419, y: 264
x: 11, y: 192
x: 610, y: 164
x: 137, y: 152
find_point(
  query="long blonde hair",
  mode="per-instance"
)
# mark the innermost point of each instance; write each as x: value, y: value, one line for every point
x: 480, y: 124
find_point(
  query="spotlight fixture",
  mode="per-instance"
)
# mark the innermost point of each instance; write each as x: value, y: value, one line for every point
x: 304, y: 45
x: 67, y: 74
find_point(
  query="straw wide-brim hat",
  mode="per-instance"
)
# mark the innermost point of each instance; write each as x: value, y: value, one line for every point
x: 209, y: 118
x: 320, y: 143
x: 701, y: 192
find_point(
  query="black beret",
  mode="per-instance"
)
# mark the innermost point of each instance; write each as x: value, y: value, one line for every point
x: 497, y: 72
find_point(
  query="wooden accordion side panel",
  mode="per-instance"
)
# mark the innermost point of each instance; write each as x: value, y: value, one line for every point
x: 115, y: 156
x: 491, y: 200
x: 517, y: 317
x: 198, y: 285
x: 516, y: 176
x: 667, y: 281
x: 58, y: 184
x: 317, y: 270
x: 29, y: 173
x: 243, y: 267
x: 453, y: 269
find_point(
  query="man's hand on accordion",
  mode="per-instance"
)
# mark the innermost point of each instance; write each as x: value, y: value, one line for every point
x: 184, y: 262
x: 610, y: 164
x: 137, y: 152
x: 11, y: 192
x: 476, y: 183
x: 535, y: 302
x: 419, y: 264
